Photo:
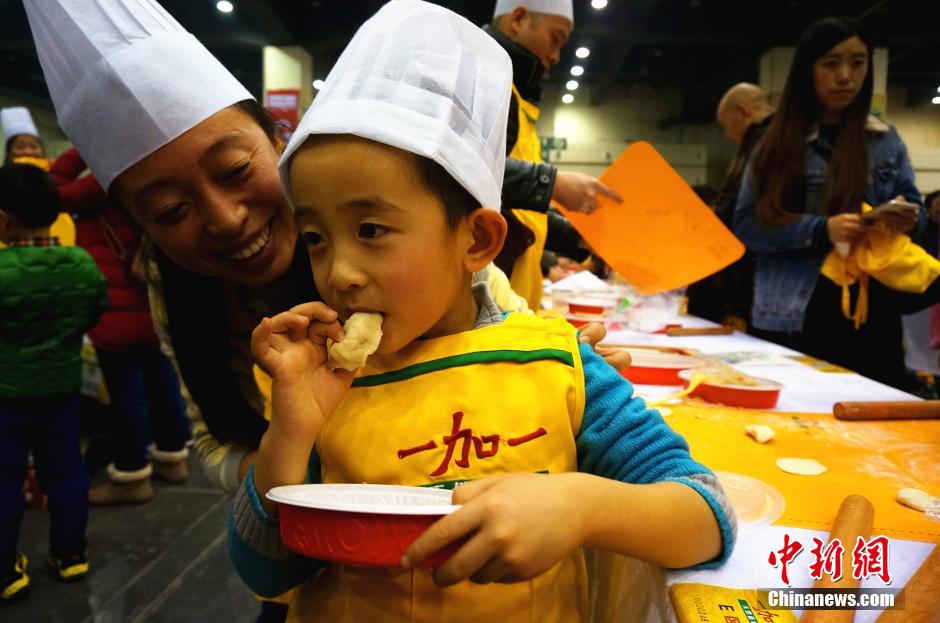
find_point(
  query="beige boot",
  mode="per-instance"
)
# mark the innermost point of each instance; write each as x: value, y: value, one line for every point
x: 171, y: 466
x: 123, y: 488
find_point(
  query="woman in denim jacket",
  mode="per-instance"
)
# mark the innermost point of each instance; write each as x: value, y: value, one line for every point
x: 822, y: 156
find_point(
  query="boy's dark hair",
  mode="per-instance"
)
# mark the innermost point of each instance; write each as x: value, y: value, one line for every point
x: 458, y: 202
x: 29, y: 194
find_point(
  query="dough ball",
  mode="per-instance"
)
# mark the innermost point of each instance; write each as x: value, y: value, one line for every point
x: 915, y: 498
x: 802, y: 467
x: 363, y: 332
x: 760, y: 433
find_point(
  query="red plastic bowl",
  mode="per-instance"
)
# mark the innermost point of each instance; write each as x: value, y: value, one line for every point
x: 360, y: 524
x: 588, y: 306
x: 650, y: 367
x: 763, y: 396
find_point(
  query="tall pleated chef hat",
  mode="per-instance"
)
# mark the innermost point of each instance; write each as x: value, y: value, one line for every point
x: 125, y: 78
x: 421, y: 78
x: 550, y: 7
x: 16, y: 120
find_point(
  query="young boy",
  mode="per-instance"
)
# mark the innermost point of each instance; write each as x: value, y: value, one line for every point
x: 395, y: 177
x: 49, y: 296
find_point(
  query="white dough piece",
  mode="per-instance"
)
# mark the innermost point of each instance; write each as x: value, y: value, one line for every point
x: 760, y: 433
x: 916, y: 499
x: 802, y: 467
x: 363, y: 332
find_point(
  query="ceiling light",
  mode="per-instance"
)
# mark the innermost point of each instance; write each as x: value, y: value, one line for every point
x: 577, y: 70
x: 936, y: 100
x: 225, y: 6
x: 567, y: 98
x: 582, y: 52
x: 318, y: 84
x: 572, y: 85
x: 598, y: 4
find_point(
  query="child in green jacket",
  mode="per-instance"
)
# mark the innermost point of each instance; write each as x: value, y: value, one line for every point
x: 50, y: 296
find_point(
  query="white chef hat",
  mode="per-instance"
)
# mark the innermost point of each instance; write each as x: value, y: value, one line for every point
x: 421, y: 78
x: 17, y: 120
x: 125, y: 78
x: 551, y: 7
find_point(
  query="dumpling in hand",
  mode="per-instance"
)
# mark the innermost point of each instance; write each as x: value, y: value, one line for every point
x: 363, y: 334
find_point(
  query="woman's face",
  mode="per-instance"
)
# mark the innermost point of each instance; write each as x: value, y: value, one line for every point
x: 839, y: 74
x: 212, y: 200
x: 24, y: 145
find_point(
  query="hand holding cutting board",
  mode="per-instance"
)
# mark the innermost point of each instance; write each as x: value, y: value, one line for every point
x: 662, y: 236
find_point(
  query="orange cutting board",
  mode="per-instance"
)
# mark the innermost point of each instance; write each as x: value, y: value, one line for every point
x: 662, y: 236
x: 874, y: 459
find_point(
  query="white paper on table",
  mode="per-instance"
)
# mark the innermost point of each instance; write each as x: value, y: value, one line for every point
x: 579, y: 282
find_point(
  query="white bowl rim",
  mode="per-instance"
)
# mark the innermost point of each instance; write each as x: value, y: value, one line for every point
x: 680, y: 362
x: 328, y: 494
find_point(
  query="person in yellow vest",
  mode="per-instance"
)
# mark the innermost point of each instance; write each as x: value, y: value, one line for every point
x: 24, y: 146
x: 560, y: 452
x: 533, y: 33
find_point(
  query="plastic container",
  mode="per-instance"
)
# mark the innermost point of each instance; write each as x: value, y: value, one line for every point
x: 762, y: 396
x: 755, y: 502
x: 650, y: 367
x: 360, y: 524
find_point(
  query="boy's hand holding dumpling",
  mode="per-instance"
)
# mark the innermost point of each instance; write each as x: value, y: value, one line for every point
x: 292, y: 348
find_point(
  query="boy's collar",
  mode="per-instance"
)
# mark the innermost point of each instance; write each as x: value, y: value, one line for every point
x: 489, y: 312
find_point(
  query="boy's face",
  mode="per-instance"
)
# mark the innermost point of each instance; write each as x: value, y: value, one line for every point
x: 378, y: 239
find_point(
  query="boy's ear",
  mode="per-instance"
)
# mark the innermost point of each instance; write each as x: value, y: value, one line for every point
x: 488, y: 230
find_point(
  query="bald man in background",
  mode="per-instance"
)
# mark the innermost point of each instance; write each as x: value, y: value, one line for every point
x: 744, y: 113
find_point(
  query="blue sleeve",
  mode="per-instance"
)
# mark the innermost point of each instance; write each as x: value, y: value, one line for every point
x: 260, y: 557
x: 620, y: 438
x: 805, y: 232
x: 905, y: 186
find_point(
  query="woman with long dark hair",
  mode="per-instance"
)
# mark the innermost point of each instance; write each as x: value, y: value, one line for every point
x: 822, y: 157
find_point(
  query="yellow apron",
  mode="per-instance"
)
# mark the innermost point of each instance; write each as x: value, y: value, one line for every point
x: 888, y: 257
x: 504, y: 398
x: 526, y: 277
x: 63, y: 227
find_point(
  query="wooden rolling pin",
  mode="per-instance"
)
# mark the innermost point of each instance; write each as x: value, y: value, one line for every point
x: 854, y: 520
x: 918, y: 598
x: 682, y: 331
x: 907, y: 410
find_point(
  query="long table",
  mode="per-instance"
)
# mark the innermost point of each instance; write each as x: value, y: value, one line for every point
x: 807, y: 390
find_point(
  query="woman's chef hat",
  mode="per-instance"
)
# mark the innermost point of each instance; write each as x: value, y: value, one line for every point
x: 125, y: 78
x: 418, y: 77
x: 17, y: 120
x: 551, y: 7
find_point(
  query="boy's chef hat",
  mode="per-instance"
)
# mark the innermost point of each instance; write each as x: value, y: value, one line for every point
x: 551, y: 7
x: 17, y: 120
x: 418, y: 77
x: 125, y: 78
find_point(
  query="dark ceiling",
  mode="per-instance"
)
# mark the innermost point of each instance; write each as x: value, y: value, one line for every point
x: 701, y: 46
